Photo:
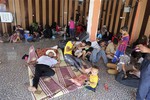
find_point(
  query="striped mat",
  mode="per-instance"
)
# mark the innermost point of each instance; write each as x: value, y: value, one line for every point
x: 57, y: 85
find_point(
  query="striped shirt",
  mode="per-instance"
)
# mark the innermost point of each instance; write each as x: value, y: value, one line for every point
x: 124, y: 43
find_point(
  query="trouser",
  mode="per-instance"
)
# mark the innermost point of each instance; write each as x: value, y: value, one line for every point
x: 72, y: 33
x: 110, y: 57
x: 41, y: 70
x: 97, y: 54
x: 116, y: 56
x: 73, y: 61
x: 143, y: 92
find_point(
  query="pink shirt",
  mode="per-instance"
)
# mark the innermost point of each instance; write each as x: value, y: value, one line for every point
x: 71, y: 24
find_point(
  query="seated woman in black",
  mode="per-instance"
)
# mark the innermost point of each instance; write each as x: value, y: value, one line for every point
x: 47, y: 32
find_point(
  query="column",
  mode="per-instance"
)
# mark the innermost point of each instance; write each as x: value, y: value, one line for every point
x: 93, y: 18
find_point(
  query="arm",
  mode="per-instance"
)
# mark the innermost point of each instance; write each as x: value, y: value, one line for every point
x: 58, y: 58
x: 143, y: 48
x: 84, y: 54
x: 68, y: 48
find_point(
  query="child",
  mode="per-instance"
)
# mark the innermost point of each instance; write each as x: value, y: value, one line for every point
x: 79, y: 30
x: 123, y: 62
x: 93, y: 79
x: 111, y: 49
x: 71, y: 28
x: 15, y: 37
x: 99, y: 35
x: 123, y: 44
x: 79, y: 48
x: 87, y: 51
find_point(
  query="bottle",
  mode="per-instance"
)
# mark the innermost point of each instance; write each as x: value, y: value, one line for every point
x: 106, y: 86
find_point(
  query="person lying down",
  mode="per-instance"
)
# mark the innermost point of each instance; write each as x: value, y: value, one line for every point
x: 43, y: 68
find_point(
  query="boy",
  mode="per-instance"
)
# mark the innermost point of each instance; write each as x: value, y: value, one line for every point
x: 87, y: 51
x: 78, y: 48
x: 69, y: 58
x: 93, y: 79
x: 111, y: 49
x: 123, y: 44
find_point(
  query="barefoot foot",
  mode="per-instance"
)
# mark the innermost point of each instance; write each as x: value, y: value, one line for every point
x: 32, y: 89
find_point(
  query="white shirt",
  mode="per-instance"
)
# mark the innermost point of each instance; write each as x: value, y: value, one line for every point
x: 46, y: 60
x: 95, y: 45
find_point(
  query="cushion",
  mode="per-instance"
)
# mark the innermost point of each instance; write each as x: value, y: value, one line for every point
x: 111, y: 65
x: 112, y: 71
x: 41, y: 52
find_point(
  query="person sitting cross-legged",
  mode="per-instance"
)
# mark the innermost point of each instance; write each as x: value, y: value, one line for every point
x: 111, y: 49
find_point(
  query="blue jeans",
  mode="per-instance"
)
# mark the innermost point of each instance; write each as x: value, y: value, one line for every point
x: 72, y: 33
x: 97, y: 54
x: 143, y: 92
x: 73, y: 61
x: 116, y: 56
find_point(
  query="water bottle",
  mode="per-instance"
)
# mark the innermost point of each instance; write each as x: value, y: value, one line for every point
x: 106, y: 86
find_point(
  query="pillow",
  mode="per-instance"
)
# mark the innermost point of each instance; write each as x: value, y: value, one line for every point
x: 41, y: 52
x: 32, y: 55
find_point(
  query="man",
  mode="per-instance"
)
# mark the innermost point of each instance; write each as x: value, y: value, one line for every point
x: 143, y: 92
x: 69, y: 58
x: 43, y: 68
x: 99, y: 52
x: 111, y: 49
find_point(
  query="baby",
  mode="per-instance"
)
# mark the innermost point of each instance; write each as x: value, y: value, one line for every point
x: 92, y: 83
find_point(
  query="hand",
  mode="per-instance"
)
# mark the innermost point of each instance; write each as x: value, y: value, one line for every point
x: 143, y: 48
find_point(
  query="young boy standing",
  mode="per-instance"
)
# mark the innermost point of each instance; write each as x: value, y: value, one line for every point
x: 122, y: 45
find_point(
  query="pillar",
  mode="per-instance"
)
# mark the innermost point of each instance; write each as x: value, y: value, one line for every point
x: 137, y: 25
x: 93, y: 18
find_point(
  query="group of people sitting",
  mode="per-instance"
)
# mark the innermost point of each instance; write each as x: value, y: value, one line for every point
x: 112, y: 51
x: 75, y: 53
x: 36, y: 32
